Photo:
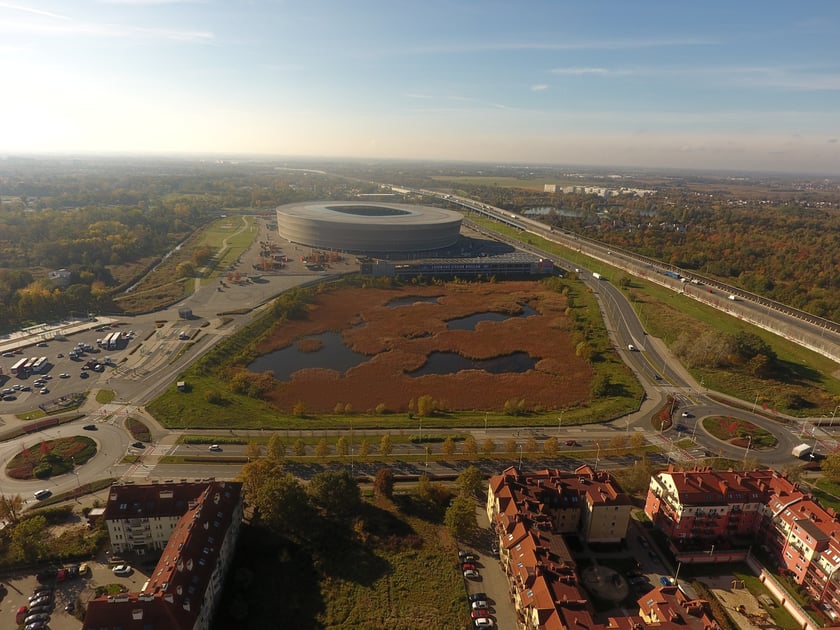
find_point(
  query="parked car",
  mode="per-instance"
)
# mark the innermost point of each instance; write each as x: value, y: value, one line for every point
x: 468, y: 566
x: 45, y: 390
x: 475, y: 597
x: 471, y: 573
x: 64, y: 375
x: 84, y: 375
x: 21, y: 614
x: 36, y: 617
x: 681, y: 428
x: 121, y: 569
x: 484, y: 622
x: 665, y: 580
x: 138, y: 445
x: 40, y: 495
x: 84, y: 569
x: 479, y: 603
x: 478, y: 613
x: 468, y: 557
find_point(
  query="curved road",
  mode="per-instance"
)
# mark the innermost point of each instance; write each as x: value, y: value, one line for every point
x: 155, y: 357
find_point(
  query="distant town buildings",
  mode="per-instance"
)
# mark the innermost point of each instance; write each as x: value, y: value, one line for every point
x: 60, y: 277
x: 196, y: 525
x: 597, y: 190
x: 531, y: 512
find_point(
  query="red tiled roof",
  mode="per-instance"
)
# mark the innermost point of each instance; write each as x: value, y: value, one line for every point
x: 174, y: 594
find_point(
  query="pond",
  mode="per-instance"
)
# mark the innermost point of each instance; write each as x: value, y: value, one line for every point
x: 409, y: 300
x: 333, y: 355
x: 470, y: 321
x: 452, y: 362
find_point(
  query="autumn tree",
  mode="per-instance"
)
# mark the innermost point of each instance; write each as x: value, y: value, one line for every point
x: 253, y: 451
x: 488, y: 446
x: 383, y: 483
x: 284, y: 505
x: 335, y: 491
x: 276, y: 447
x: 550, y: 447
x: 321, y: 448
x: 510, y: 445
x: 10, y: 508
x: 425, y: 406
x: 256, y: 473
x: 385, y: 446
x: 448, y: 446
x: 470, y: 482
x: 364, y: 448
x: 470, y: 447
x: 460, y: 517
x: 299, y: 447
x: 341, y: 446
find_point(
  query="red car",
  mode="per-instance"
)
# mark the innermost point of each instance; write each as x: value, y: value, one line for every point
x: 480, y: 613
x: 468, y: 566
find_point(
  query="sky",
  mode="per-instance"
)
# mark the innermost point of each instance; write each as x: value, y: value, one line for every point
x: 735, y: 85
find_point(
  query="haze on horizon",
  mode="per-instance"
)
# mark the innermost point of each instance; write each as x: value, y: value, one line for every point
x: 713, y: 85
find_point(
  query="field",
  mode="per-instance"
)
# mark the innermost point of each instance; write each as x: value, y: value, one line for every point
x: 400, y: 340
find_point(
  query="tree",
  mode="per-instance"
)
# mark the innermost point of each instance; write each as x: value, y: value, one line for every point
x: 510, y: 445
x: 470, y: 447
x: 10, y: 508
x: 637, y: 441
x: 29, y: 538
x: 831, y: 467
x: 335, y: 491
x: 488, y: 446
x: 550, y: 447
x: 425, y: 405
x: 284, y: 505
x: 383, y: 483
x: 321, y: 448
x: 600, y: 386
x: 256, y: 473
x: 299, y: 447
x: 618, y: 442
x: 253, y: 451
x: 276, y: 447
x: 364, y: 448
x: 341, y: 446
x: 299, y: 409
x: 385, y: 445
x: 448, y: 446
x: 531, y: 445
x: 470, y: 481
x: 460, y: 517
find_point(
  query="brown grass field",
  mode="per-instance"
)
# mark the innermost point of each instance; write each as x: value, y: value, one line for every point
x: 399, y: 340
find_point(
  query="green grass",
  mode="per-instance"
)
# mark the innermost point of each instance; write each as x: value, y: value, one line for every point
x: 726, y: 428
x: 827, y: 493
x: 213, y: 236
x: 104, y: 396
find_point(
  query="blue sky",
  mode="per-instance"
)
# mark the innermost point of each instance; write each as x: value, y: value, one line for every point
x: 724, y: 85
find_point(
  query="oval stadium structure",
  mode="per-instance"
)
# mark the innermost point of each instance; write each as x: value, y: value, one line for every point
x: 365, y: 227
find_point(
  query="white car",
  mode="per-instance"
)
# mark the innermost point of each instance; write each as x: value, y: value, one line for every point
x: 121, y: 569
x: 471, y: 573
x: 214, y: 448
x: 64, y: 375
x: 480, y: 603
x: 483, y: 622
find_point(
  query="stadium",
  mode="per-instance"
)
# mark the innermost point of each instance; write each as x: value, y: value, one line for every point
x: 368, y: 228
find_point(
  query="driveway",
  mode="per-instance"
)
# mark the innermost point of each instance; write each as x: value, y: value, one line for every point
x: 20, y: 587
x: 493, y: 580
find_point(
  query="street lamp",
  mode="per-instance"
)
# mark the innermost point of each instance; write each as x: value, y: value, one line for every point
x: 749, y: 443
x: 834, y: 413
x: 597, y: 455
x: 485, y: 423
x: 559, y: 423
x: 520, y: 457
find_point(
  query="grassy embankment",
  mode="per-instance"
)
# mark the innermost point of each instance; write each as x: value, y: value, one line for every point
x: 668, y: 315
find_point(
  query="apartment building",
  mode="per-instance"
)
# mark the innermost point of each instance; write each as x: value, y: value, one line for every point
x: 141, y: 518
x: 718, y: 511
x: 531, y: 512
x: 183, y: 590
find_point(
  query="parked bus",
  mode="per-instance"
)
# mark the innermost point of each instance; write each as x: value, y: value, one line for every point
x: 29, y: 363
x: 40, y: 365
x: 112, y: 341
x: 19, y: 367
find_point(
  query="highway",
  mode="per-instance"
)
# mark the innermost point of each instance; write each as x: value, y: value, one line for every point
x: 152, y: 360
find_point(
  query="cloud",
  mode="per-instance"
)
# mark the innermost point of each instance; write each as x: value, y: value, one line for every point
x: 30, y: 10
x: 151, y: 2
x: 599, y: 44
x: 540, y: 87
x: 832, y: 140
x: 74, y: 28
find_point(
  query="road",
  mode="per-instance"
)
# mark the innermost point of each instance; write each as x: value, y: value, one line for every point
x: 153, y: 358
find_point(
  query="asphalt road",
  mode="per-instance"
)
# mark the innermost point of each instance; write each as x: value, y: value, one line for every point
x: 153, y: 358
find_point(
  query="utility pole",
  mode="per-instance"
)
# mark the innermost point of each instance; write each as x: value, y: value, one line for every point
x: 559, y: 423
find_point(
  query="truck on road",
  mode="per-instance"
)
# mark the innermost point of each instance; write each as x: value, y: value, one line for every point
x: 597, y: 276
x: 802, y: 451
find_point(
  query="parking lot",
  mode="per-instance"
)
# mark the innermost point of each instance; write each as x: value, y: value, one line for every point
x: 20, y: 588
